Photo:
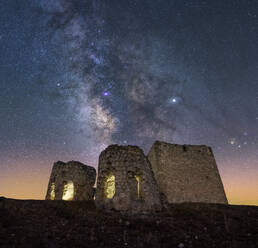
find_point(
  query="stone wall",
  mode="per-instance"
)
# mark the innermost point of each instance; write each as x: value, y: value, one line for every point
x: 186, y: 173
x: 71, y: 181
x: 126, y: 181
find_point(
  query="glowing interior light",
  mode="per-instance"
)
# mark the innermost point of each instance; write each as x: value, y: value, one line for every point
x: 52, y: 191
x: 68, y: 193
x: 109, y: 187
x: 138, y: 186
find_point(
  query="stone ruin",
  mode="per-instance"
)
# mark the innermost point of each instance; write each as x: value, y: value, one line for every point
x: 126, y: 181
x: 130, y: 181
x: 186, y: 173
x: 71, y: 181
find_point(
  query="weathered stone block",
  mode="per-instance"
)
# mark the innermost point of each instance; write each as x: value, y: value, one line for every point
x: 186, y: 173
x: 71, y: 181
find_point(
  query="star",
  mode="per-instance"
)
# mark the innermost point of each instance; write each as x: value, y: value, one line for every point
x: 232, y: 141
x: 174, y: 100
x: 106, y: 93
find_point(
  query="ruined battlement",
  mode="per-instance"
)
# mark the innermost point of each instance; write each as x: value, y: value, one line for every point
x: 186, y: 173
x: 71, y: 181
x: 126, y: 154
x: 176, y: 148
x: 128, y: 180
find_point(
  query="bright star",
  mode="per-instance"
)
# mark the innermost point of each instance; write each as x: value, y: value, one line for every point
x: 232, y: 141
x: 174, y: 100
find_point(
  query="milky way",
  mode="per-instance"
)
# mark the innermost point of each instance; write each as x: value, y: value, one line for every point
x: 128, y: 66
x: 120, y: 95
x: 132, y: 72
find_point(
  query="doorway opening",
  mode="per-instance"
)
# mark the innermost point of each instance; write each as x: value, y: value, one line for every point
x: 68, y: 193
x: 110, y: 186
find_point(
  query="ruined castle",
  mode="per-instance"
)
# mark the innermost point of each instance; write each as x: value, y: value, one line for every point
x: 71, y: 181
x: 128, y: 180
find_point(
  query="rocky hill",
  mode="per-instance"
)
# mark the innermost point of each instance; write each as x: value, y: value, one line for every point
x: 50, y: 224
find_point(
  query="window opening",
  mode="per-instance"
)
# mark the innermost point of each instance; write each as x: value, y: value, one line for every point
x: 68, y: 192
x: 109, y: 186
x: 138, y: 179
x: 52, y: 191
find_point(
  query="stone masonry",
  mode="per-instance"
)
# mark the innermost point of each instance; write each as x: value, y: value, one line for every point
x: 186, y: 173
x: 126, y: 181
x: 71, y: 181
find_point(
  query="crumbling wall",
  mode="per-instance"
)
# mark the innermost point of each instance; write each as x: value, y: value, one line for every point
x: 126, y: 181
x: 186, y: 173
x: 71, y: 181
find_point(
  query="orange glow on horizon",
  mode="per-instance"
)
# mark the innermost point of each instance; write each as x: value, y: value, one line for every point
x: 241, y: 185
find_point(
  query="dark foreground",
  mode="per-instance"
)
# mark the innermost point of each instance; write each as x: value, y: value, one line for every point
x: 52, y: 224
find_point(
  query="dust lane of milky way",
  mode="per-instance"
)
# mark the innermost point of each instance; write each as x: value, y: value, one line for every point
x: 78, y: 75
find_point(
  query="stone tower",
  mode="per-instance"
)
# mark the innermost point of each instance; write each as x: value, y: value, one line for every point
x: 126, y: 181
x: 186, y: 173
x: 71, y: 181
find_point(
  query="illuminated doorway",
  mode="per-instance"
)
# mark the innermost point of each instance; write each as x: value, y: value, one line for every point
x: 68, y: 193
x: 109, y: 186
x: 52, y: 191
x: 138, y: 179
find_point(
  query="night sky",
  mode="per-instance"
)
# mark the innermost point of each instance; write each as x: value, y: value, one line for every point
x: 79, y: 75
